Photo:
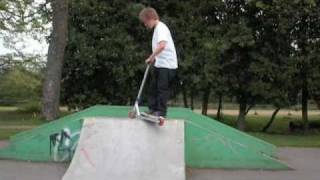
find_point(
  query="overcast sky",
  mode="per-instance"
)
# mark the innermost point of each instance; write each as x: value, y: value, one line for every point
x: 27, y: 44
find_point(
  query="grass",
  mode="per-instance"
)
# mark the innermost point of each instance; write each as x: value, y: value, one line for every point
x: 13, y: 121
x: 255, y: 123
x: 6, y: 133
x: 279, y: 133
x: 10, y: 116
x: 287, y: 140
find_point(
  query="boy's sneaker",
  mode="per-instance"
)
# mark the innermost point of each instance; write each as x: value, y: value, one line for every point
x: 150, y: 112
x: 158, y: 114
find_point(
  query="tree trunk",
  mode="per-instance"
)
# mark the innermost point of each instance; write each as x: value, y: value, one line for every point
x: 58, y: 41
x: 242, y: 115
x: 185, y: 97
x: 219, y: 107
x: 191, y: 100
x: 304, y: 103
x: 249, y: 108
x: 205, y: 101
x: 268, y: 125
x: 316, y: 98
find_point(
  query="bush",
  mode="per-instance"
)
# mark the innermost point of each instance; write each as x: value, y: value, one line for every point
x: 19, y: 85
x: 30, y: 107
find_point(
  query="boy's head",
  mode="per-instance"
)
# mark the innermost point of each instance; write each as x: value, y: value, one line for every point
x: 149, y: 17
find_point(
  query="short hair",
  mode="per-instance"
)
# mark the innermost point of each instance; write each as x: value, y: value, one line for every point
x: 148, y: 13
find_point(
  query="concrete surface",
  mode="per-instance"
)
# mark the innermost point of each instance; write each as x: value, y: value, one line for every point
x: 126, y: 149
x: 19, y: 170
x: 306, y: 162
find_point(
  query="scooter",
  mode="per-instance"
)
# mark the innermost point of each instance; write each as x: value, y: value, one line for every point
x: 136, y: 113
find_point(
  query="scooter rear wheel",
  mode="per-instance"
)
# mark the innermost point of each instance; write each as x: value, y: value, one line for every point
x: 161, y: 121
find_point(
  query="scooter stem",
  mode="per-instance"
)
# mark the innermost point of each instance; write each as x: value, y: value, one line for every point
x: 143, y: 82
x: 136, y: 105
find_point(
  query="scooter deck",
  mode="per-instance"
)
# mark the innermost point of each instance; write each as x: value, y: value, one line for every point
x: 151, y: 118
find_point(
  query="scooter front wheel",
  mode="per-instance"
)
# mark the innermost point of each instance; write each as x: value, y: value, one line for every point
x: 132, y: 114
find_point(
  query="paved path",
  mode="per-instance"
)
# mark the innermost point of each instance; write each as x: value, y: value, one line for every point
x: 305, y: 161
x: 18, y: 170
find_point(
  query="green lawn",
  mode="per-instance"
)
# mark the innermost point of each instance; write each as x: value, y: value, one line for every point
x: 13, y: 121
x: 280, y: 125
x: 6, y: 133
x: 310, y: 140
x: 13, y: 117
x: 279, y: 133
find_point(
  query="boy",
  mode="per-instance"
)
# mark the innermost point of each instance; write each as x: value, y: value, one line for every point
x: 164, y: 60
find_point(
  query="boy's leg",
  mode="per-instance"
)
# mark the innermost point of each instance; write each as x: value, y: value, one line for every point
x: 165, y: 77
x: 152, y: 100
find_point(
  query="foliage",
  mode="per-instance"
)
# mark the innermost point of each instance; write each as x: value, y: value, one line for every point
x: 255, y: 51
x: 30, y: 107
x: 22, y: 19
x: 105, y: 53
x: 19, y: 85
x: 32, y: 63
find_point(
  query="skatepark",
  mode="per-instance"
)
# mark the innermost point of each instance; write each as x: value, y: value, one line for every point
x: 91, y: 144
x: 100, y: 146
x: 161, y: 90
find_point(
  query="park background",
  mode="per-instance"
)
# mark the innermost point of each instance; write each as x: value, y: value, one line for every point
x: 253, y: 64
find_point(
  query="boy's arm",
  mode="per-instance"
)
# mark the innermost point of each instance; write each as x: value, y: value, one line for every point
x: 159, y: 49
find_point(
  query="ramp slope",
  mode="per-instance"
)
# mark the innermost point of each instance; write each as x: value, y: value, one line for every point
x: 124, y: 149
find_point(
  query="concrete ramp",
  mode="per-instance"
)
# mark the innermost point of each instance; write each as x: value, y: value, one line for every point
x: 125, y: 149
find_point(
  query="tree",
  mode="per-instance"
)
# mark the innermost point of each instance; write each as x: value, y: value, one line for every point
x: 20, y: 79
x: 272, y: 56
x: 104, y: 60
x: 315, y: 78
x: 22, y: 19
x: 247, y: 50
x: 198, y: 45
x: 239, y: 40
x: 305, y: 39
x: 58, y: 42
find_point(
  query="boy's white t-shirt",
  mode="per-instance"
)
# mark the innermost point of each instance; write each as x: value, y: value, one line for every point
x: 168, y: 57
